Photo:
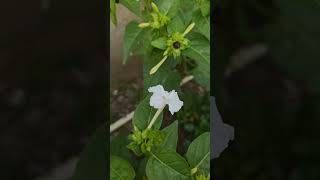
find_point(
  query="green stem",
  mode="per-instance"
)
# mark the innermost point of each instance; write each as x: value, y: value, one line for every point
x: 155, y: 117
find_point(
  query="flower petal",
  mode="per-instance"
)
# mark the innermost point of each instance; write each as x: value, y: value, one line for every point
x: 157, y: 90
x: 158, y: 99
x: 174, y: 102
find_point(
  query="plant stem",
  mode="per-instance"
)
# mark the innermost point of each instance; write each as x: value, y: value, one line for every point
x: 155, y: 117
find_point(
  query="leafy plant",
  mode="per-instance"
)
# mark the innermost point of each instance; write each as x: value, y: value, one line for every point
x: 194, y: 117
x: 173, y: 39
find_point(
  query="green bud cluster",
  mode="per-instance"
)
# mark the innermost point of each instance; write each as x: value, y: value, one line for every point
x: 143, y: 141
x: 158, y: 20
x: 175, y: 44
x: 202, y: 177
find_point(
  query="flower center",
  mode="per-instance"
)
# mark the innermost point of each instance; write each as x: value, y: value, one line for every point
x: 165, y: 99
x: 176, y: 45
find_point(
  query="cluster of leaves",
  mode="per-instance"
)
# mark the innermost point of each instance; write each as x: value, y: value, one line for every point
x: 143, y: 141
x: 151, y: 43
x: 194, y: 117
x: 172, y: 32
x: 164, y: 162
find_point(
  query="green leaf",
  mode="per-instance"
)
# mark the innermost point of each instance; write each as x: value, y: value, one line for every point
x: 169, y: 7
x: 168, y: 78
x: 199, y: 50
x: 93, y: 160
x: 202, y: 75
x: 113, y: 12
x: 205, y: 7
x: 198, y: 154
x: 141, y: 168
x: 187, y: 8
x: 142, y: 46
x: 120, y: 169
x: 132, y: 5
x: 132, y: 35
x: 202, y: 24
x: 176, y: 24
x: 118, y: 142
x: 135, y: 148
x: 168, y: 165
x: 144, y: 114
x: 160, y: 43
x: 171, y: 137
x: 166, y: 75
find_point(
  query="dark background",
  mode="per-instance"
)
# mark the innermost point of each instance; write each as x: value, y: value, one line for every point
x: 53, y: 82
x: 267, y: 82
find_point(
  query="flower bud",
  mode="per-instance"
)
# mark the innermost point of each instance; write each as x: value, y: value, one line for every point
x: 154, y: 7
x: 194, y: 170
x: 156, y: 67
x: 144, y: 25
x: 189, y: 28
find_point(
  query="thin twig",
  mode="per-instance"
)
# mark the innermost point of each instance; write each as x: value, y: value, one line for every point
x: 121, y: 122
x: 186, y: 79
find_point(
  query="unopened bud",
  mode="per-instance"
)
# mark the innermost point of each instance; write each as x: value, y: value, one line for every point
x: 154, y: 7
x: 194, y: 170
x: 144, y: 25
x: 189, y: 28
x: 156, y: 67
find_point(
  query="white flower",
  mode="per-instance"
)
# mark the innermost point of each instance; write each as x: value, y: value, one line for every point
x: 161, y: 98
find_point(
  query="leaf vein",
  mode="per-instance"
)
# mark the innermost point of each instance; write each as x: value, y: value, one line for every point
x: 166, y: 164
